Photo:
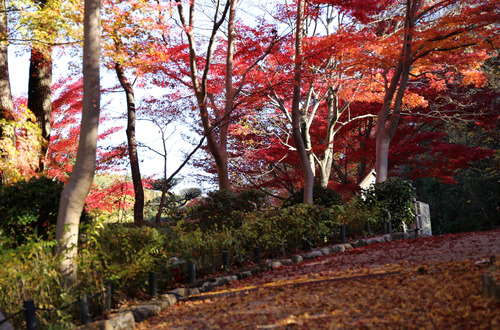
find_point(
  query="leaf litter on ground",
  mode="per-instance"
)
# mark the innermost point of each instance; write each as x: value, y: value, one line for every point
x: 432, y: 282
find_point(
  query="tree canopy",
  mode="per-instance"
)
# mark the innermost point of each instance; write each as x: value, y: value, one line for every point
x: 275, y: 98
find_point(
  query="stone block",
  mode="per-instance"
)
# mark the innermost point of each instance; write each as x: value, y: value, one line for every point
x: 193, y: 291
x: 170, y: 299
x: 347, y: 246
x: 362, y: 242
x: 354, y: 244
x: 217, y: 281
x: 313, y: 254
x: 122, y: 321
x: 180, y: 292
x: 273, y: 264
x: 337, y: 248
x: 162, y: 304
x: 231, y: 278
x: 207, y: 286
x: 286, y: 262
x: 400, y: 235
x: 326, y: 251
x: 256, y: 270
x: 296, y: 259
x: 143, y: 312
x: 244, y: 274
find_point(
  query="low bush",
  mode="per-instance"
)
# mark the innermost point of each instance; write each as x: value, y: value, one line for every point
x: 200, y: 247
x: 300, y: 224
x: 293, y: 226
x: 214, y: 211
x: 392, y: 199
x: 321, y: 196
x: 124, y: 253
x: 30, y: 271
x: 356, y: 214
x: 30, y: 208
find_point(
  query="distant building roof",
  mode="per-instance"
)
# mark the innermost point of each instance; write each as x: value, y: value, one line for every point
x: 368, y: 180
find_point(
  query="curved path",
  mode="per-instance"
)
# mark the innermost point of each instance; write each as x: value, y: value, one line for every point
x: 431, y: 282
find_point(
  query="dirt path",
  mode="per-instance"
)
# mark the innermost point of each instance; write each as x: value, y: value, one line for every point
x: 429, y: 283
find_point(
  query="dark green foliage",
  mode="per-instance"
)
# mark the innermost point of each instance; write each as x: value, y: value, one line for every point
x: 301, y: 222
x: 127, y: 252
x: 214, y: 212
x: 321, y: 196
x: 292, y: 226
x: 31, y: 271
x: 393, y: 199
x: 468, y: 205
x: 29, y: 207
x: 356, y: 214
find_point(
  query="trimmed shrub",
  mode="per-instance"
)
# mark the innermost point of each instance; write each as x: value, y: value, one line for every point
x: 31, y: 271
x: 293, y: 226
x: 126, y: 253
x: 321, y: 196
x: 29, y: 208
x: 214, y: 211
x: 392, y: 199
x: 355, y: 214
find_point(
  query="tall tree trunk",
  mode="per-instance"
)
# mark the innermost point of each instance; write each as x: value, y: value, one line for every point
x: 40, y: 92
x: 6, y: 104
x: 296, y: 132
x: 224, y: 181
x: 364, y: 137
x: 132, y: 146
x: 76, y: 190
x: 325, y: 163
x: 387, y: 120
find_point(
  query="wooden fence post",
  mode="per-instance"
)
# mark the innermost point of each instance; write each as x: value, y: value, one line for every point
x: 84, y: 310
x: 191, y: 273
x: 225, y: 260
x: 30, y: 314
x: 153, y: 284
x: 108, y: 295
x: 256, y: 254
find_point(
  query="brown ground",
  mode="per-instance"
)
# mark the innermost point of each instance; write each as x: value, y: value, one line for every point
x: 429, y: 283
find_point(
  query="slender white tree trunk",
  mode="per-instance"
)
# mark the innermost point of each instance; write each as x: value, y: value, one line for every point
x: 76, y: 190
x: 296, y: 133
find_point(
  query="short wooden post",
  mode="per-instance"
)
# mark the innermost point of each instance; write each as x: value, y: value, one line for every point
x: 389, y: 227
x: 30, y: 315
x: 256, y: 254
x: 108, y: 287
x: 343, y: 238
x: 191, y: 273
x: 368, y: 228
x: 153, y: 284
x: 225, y: 260
x: 309, y: 245
x: 84, y: 310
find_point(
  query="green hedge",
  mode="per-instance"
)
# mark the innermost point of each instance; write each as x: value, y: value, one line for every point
x: 321, y: 196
